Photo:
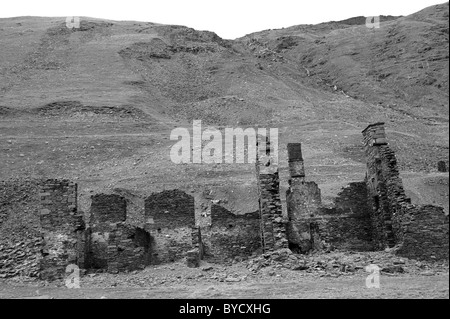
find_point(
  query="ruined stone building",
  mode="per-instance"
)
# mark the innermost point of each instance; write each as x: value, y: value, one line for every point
x: 63, y: 228
x: 105, y: 242
x: 372, y: 214
x: 272, y: 228
x: 419, y: 231
x: 311, y: 226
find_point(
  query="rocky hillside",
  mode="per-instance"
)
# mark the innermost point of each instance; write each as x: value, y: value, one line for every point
x: 96, y: 104
x: 403, y: 65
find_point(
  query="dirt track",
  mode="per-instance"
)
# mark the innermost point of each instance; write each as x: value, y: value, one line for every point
x: 416, y: 287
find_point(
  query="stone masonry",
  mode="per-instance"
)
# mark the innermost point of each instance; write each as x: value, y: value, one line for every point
x: 371, y: 215
x: 106, y: 211
x: 375, y: 146
x: 302, y: 198
x: 273, y: 229
x: 311, y: 226
x: 231, y: 236
x: 115, y: 245
x: 170, y: 217
x: 62, y: 229
x: 417, y: 231
x: 346, y: 224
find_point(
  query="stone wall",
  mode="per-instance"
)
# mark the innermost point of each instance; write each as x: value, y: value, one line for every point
x: 106, y: 211
x: 128, y: 248
x: 375, y: 148
x: 368, y: 215
x: 311, y: 226
x: 107, y: 208
x: 417, y: 231
x: 62, y: 228
x: 20, y: 232
x: 197, y: 241
x: 272, y: 225
x: 113, y: 244
x: 195, y: 255
x: 230, y: 235
x: 303, y: 199
x: 170, y: 216
x: 421, y: 231
x: 347, y: 225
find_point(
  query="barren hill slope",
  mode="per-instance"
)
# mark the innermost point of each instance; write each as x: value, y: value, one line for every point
x: 97, y: 104
x: 402, y: 65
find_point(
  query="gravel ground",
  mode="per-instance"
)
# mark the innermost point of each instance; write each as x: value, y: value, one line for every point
x: 276, y: 275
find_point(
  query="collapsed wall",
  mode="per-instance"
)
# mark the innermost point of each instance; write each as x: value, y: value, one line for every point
x: 170, y: 218
x: 312, y: 226
x: 114, y: 245
x: 417, y: 231
x: 302, y: 200
x: 272, y: 223
x: 346, y: 224
x: 368, y: 215
x: 62, y: 229
x: 20, y: 234
x: 230, y: 236
x: 195, y: 255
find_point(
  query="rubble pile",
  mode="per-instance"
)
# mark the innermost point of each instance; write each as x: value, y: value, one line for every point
x: 344, y: 262
x: 20, y: 258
